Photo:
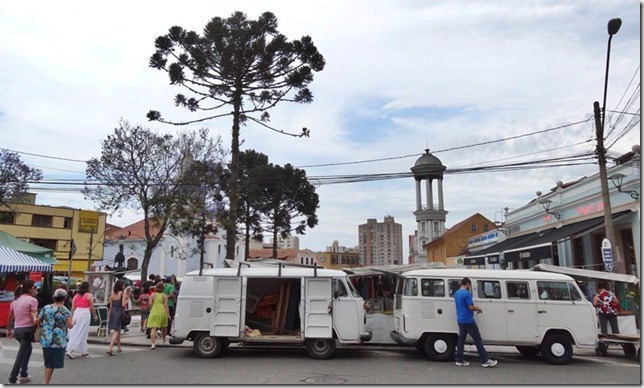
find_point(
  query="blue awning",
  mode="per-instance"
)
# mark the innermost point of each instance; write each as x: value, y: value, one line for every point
x: 14, y: 261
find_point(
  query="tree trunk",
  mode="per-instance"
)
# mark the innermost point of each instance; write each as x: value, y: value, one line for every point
x: 233, y: 184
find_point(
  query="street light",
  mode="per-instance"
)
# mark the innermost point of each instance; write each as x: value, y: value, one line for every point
x: 613, y: 26
x: 546, y: 206
x: 617, y: 180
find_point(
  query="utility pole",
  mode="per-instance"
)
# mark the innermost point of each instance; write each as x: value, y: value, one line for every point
x: 603, y: 178
x: 91, y: 245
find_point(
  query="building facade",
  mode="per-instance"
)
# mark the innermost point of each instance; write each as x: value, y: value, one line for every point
x: 380, y: 243
x: 565, y: 226
x: 55, y: 227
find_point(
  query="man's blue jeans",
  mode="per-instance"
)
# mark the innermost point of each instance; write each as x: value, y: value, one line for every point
x: 473, y: 330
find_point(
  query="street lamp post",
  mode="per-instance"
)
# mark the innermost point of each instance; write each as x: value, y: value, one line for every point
x: 600, y: 117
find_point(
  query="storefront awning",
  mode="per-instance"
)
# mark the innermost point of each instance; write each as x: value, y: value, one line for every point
x: 14, y: 261
x: 538, y: 245
x: 586, y: 273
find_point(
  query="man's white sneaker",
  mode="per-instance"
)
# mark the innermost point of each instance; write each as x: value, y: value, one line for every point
x: 462, y: 363
x: 489, y: 363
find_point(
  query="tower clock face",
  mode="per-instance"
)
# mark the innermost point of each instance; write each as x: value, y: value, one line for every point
x: 322, y: 259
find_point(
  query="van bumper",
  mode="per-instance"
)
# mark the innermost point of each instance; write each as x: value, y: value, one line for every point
x: 402, y: 340
x: 366, y: 337
x: 176, y: 340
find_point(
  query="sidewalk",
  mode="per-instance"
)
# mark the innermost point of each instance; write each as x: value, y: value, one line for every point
x: 133, y: 337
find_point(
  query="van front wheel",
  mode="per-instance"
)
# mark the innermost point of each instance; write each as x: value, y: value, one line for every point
x: 556, y: 349
x: 206, y: 346
x: 320, y: 348
x: 440, y: 347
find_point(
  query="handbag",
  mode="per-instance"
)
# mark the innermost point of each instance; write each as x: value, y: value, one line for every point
x: 126, y: 318
x: 36, y: 337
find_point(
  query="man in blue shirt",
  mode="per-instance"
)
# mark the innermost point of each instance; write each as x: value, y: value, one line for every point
x: 467, y: 325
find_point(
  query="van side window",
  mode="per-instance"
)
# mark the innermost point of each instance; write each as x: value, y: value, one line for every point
x: 432, y: 287
x: 339, y: 288
x: 518, y: 290
x: 553, y: 291
x: 411, y: 287
x: 488, y: 289
x: 454, y: 286
x: 574, y: 294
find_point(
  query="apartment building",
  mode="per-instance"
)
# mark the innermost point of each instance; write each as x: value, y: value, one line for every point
x: 380, y: 243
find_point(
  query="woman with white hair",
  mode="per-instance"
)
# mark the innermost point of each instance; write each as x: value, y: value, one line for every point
x: 55, y: 319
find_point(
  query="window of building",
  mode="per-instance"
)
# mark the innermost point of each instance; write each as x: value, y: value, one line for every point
x: 432, y: 287
x: 474, y: 227
x: 132, y: 263
x: 69, y: 222
x: 7, y: 217
x: 486, y: 227
x: 488, y: 289
x: 41, y: 220
x: 45, y: 243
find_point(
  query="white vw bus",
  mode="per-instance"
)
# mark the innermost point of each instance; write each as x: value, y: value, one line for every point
x: 538, y: 312
x: 274, y: 304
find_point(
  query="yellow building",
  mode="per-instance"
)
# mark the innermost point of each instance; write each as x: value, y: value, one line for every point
x: 338, y: 260
x: 54, y: 228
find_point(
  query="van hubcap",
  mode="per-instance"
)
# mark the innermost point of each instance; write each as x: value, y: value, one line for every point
x: 440, y: 346
x: 557, y: 350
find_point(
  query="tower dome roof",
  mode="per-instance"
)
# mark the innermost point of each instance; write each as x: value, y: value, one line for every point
x: 428, y: 166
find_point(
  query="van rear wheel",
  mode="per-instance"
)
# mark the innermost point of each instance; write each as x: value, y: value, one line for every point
x: 440, y: 347
x: 556, y: 349
x: 206, y: 346
x: 320, y: 348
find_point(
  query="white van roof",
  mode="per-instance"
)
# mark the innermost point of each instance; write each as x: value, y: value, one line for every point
x: 488, y: 273
x: 271, y: 271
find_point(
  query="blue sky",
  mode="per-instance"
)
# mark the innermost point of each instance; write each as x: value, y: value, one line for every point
x: 400, y: 77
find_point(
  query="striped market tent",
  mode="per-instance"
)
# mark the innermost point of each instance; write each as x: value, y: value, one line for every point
x: 14, y: 261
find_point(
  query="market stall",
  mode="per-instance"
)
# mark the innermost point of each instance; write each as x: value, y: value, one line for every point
x: 14, y: 268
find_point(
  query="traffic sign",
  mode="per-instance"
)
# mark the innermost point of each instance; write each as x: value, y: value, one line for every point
x: 607, y: 254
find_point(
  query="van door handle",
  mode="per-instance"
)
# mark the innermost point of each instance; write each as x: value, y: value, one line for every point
x: 541, y: 311
x: 510, y: 311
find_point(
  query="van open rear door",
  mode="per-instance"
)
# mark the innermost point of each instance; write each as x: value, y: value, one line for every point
x: 227, y: 314
x: 318, y: 301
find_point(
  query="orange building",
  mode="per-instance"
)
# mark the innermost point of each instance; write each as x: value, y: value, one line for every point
x: 454, y: 241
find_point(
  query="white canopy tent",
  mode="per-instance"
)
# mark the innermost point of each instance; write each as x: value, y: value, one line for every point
x: 14, y: 261
x: 587, y: 273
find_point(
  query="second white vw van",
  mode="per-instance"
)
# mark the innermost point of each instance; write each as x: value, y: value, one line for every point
x: 538, y: 312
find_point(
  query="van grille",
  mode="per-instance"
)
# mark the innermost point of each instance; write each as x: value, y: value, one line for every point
x: 196, y: 308
x: 427, y: 310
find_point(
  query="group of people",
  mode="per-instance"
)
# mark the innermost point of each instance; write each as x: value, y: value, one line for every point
x: 64, y: 331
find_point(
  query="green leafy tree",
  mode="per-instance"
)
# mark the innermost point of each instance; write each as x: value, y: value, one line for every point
x: 246, y: 65
x: 197, y: 214
x: 287, y: 197
x: 15, y: 177
x: 143, y: 171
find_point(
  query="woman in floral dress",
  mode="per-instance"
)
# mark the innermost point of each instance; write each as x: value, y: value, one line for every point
x: 55, y: 319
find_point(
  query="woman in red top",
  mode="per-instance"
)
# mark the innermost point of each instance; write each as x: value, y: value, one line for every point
x: 82, y: 305
x: 607, y: 306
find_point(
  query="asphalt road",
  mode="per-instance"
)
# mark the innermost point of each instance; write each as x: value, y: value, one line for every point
x: 364, y: 366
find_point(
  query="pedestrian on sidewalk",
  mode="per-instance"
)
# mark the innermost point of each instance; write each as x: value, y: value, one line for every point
x: 144, y: 305
x: 169, y: 290
x: 56, y: 319
x: 82, y: 307
x: 465, y: 308
x: 159, y: 314
x: 118, y: 300
x: 23, y: 315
